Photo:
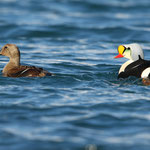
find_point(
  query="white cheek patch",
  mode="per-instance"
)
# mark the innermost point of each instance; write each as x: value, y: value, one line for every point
x: 145, y: 73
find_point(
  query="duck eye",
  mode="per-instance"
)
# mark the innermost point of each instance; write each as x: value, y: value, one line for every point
x: 128, y: 48
x: 5, y: 47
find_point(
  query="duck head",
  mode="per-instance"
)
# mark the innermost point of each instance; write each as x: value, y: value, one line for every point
x: 130, y: 51
x: 11, y: 51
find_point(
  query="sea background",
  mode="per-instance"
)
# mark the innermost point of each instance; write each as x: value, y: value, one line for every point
x: 84, y: 106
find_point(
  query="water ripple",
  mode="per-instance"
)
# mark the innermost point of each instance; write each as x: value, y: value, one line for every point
x: 84, y: 106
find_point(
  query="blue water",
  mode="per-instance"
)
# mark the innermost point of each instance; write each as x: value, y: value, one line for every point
x: 84, y: 106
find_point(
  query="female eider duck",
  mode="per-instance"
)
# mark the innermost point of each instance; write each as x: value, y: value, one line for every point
x: 136, y: 65
x: 14, y: 69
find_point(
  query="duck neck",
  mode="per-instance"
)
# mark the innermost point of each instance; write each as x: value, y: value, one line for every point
x: 13, y: 62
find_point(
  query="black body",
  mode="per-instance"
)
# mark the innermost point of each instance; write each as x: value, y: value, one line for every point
x: 135, y: 69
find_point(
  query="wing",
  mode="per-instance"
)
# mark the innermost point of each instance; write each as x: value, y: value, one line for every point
x: 135, y: 69
x: 27, y: 71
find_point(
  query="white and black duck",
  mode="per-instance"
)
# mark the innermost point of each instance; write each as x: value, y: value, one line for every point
x: 136, y: 65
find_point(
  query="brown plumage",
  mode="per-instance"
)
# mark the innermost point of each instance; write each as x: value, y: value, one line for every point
x: 14, y: 69
x: 146, y: 81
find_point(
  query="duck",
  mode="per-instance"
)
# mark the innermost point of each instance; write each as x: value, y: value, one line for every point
x: 136, y: 65
x: 15, y: 69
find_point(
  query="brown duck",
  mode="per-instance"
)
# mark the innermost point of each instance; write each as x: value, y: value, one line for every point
x: 14, y: 69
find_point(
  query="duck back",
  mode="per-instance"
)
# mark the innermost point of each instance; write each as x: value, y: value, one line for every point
x: 135, y: 69
x: 27, y: 71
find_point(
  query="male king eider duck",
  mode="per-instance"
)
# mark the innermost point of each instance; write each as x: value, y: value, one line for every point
x: 136, y: 65
x: 14, y: 69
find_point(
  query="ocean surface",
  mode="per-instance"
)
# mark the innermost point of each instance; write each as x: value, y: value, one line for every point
x: 83, y: 106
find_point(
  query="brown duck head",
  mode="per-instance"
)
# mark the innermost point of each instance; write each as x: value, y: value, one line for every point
x: 11, y: 51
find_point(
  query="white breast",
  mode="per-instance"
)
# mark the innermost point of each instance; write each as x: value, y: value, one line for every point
x: 125, y: 65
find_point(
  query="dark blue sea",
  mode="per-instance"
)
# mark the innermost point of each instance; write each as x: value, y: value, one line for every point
x: 83, y: 106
